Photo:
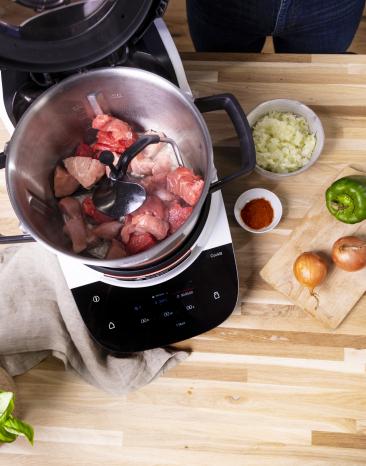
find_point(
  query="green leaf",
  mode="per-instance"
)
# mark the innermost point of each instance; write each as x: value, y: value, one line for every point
x: 6, y: 437
x: 6, y: 405
x: 18, y: 427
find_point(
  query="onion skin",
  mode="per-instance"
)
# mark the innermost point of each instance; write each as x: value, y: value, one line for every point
x: 310, y: 270
x: 349, y: 253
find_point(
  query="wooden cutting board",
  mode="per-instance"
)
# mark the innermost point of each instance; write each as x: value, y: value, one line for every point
x: 318, y: 231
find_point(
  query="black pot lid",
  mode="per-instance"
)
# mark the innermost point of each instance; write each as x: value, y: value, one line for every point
x: 62, y: 35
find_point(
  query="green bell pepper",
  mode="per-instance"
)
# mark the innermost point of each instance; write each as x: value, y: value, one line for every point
x: 346, y: 199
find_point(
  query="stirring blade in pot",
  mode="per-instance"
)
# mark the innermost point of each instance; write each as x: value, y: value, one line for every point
x: 116, y: 195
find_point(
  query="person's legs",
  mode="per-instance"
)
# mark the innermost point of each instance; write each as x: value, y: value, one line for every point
x: 230, y: 25
x: 317, y: 26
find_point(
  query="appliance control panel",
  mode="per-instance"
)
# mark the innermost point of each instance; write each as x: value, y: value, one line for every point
x: 126, y: 320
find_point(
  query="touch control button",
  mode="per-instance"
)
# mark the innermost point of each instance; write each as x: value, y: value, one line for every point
x: 181, y: 323
x: 216, y: 295
x: 137, y: 307
x: 144, y: 320
x: 187, y: 300
x: 96, y: 298
x: 111, y: 325
x: 189, y: 307
x: 160, y: 299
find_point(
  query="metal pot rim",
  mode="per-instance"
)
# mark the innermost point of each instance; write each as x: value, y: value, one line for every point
x: 151, y: 255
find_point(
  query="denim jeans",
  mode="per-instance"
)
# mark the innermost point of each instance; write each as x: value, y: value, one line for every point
x: 297, y: 26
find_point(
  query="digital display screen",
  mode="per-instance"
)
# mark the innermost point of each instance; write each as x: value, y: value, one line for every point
x: 160, y: 299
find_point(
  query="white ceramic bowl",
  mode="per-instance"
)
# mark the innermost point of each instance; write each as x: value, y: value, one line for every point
x: 286, y: 105
x: 258, y: 193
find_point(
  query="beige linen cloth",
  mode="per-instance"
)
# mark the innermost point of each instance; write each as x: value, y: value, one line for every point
x: 39, y: 317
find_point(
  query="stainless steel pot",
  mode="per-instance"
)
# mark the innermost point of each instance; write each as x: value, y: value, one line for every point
x: 51, y: 128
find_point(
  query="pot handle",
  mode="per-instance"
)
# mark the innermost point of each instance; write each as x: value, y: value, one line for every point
x: 14, y: 238
x: 231, y: 105
x: 2, y: 160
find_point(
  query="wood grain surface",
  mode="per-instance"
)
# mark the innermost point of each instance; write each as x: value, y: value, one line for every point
x: 271, y: 385
x: 341, y: 290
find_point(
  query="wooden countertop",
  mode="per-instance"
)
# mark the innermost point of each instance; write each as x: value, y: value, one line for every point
x: 270, y: 386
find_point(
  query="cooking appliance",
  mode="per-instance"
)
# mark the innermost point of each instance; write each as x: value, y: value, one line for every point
x: 138, y: 97
x: 317, y: 232
x: 169, y: 281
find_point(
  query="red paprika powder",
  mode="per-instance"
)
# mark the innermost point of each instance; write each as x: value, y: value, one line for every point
x: 257, y: 214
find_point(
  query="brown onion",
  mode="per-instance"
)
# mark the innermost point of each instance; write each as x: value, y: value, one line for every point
x: 310, y: 270
x: 349, y: 253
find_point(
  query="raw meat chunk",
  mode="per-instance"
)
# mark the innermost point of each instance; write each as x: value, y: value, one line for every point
x: 75, y: 229
x: 154, y: 183
x: 119, y: 129
x: 147, y: 223
x: 143, y: 163
x: 164, y: 195
x: 141, y: 166
x: 144, y: 223
x: 70, y: 207
x: 185, y: 184
x: 163, y: 162
x: 91, y: 238
x: 150, y: 217
x: 85, y: 169
x: 140, y: 242
x: 108, y: 230
x: 178, y: 215
x: 64, y: 184
x: 154, y: 159
x: 116, y: 250
x: 84, y: 150
x: 114, y: 134
x: 106, y: 142
x: 128, y: 229
x: 152, y: 205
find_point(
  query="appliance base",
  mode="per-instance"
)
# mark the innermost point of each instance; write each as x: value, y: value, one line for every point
x: 122, y: 320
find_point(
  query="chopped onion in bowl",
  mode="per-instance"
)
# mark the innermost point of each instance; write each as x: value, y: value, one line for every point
x: 283, y: 142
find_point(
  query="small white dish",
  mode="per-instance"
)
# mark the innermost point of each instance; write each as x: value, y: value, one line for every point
x: 298, y: 108
x: 258, y: 193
